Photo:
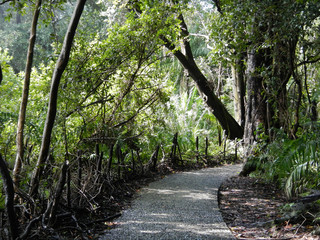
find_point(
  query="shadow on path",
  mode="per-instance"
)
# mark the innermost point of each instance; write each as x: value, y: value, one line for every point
x: 180, y: 206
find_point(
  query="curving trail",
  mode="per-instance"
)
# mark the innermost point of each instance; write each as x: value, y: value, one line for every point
x: 180, y: 206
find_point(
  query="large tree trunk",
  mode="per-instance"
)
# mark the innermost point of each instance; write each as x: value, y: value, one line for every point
x: 239, y: 90
x: 228, y: 123
x: 256, y: 108
x: 52, y: 107
x: 284, y: 53
x: 25, y: 94
x: 266, y: 105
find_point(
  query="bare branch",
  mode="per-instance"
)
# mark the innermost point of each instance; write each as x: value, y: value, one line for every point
x: 187, y: 48
x: 217, y: 3
x: 0, y: 74
x: 100, y: 101
x: 29, y: 226
x: 309, y: 61
x: 5, y: 1
x: 148, y: 102
x: 203, y: 36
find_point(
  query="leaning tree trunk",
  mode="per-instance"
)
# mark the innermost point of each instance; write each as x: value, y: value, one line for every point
x: 25, y: 94
x: 52, y: 107
x: 228, y: 123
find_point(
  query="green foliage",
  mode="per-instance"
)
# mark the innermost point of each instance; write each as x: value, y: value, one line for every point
x: 293, y: 163
x: 122, y: 87
x: 10, y: 90
x: 118, y: 81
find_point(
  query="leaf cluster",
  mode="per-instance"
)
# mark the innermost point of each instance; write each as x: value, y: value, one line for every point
x: 293, y: 163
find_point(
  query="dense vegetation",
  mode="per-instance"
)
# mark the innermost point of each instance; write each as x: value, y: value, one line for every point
x: 138, y: 72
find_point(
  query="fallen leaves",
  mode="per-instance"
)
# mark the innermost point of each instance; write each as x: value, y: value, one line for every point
x: 249, y: 206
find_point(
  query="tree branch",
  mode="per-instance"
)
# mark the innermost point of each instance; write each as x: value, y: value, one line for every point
x: 186, y: 43
x: 149, y: 101
x: 0, y: 74
x: 100, y: 101
x: 5, y: 1
x: 309, y: 61
x: 228, y: 123
x: 218, y: 5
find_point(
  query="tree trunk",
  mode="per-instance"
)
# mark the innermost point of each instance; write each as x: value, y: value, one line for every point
x: 18, y: 16
x: 0, y: 74
x: 1, y: 13
x: 9, y: 194
x: 228, y: 123
x: 256, y: 109
x: 52, y: 107
x: 239, y: 90
x: 110, y: 161
x: 25, y: 95
x: 284, y: 53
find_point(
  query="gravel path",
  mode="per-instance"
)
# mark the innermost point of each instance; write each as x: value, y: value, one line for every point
x: 180, y: 206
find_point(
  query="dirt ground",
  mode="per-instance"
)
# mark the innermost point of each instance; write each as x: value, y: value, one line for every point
x: 249, y: 206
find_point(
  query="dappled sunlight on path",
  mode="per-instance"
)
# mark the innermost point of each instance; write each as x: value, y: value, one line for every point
x: 180, y: 206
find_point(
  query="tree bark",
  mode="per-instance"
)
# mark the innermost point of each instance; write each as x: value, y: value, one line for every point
x: 52, y: 107
x: 239, y: 90
x: 283, y: 69
x: 110, y: 161
x: 256, y: 108
x: 9, y: 202
x: 1, y: 13
x: 0, y: 74
x: 228, y: 123
x: 25, y: 95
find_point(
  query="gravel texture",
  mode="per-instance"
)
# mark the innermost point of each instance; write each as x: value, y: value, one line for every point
x: 180, y: 206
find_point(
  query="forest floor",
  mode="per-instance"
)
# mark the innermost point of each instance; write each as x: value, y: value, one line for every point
x: 249, y: 206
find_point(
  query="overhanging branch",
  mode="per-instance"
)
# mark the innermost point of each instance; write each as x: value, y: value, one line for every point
x: 5, y: 1
x: 309, y: 61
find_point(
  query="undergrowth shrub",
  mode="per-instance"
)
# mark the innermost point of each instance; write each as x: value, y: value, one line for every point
x: 292, y: 163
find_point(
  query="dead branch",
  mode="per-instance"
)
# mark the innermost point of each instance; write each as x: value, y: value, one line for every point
x: 28, y: 228
x: 109, y: 161
x: 316, y: 59
x: 105, y: 219
x: 147, y: 103
x: 309, y: 199
x: 152, y: 163
x: 58, y: 193
x: 5, y: 1
x: 0, y: 74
